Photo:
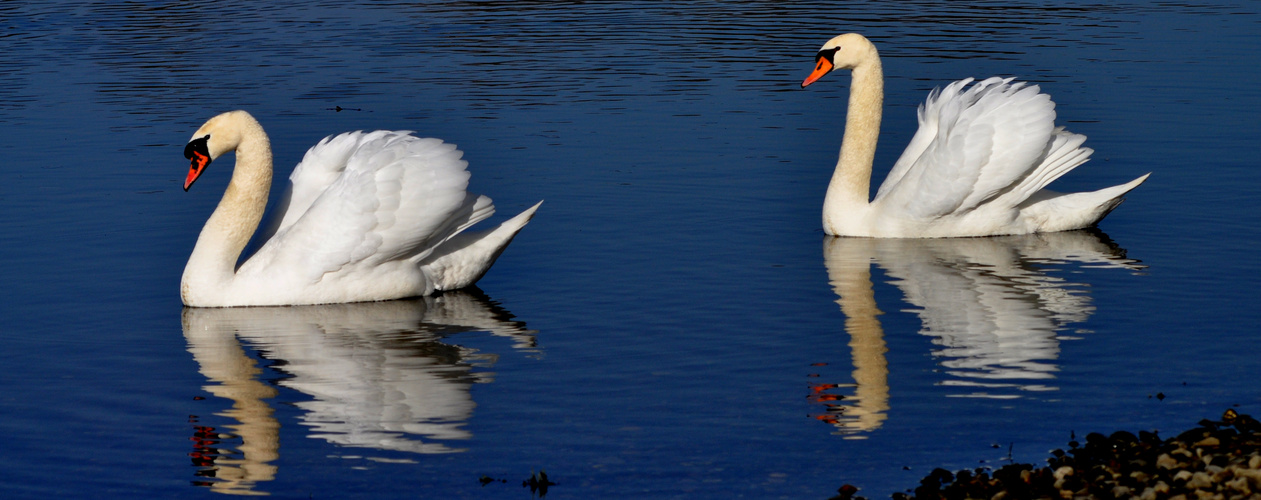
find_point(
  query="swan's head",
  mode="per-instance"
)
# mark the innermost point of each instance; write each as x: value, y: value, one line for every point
x: 847, y: 51
x: 217, y: 136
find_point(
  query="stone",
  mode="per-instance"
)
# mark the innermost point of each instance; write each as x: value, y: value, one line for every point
x: 1208, y: 441
x: 1200, y: 480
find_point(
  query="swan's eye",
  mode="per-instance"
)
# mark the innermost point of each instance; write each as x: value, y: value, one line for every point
x: 197, y: 146
x: 827, y: 55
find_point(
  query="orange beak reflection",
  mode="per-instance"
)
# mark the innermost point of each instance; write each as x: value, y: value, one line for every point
x: 823, y: 67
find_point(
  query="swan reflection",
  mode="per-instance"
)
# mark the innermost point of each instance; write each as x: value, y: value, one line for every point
x: 996, y: 309
x: 378, y: 376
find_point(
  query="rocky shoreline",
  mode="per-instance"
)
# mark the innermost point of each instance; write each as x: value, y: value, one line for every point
x: 1215, y: 460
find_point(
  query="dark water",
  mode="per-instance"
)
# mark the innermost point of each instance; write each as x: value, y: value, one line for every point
x: 674, y: 323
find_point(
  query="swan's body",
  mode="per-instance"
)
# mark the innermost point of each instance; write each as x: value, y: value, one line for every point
x: 369, y: 216
x: 977, y: 165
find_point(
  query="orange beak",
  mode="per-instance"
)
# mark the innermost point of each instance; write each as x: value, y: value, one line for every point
x: 823, y: 67
x: 196, y: 151
x: 198, y: 165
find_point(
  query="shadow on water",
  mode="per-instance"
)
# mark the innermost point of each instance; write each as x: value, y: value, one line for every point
x: 379, y: 376
x: 996, y: 309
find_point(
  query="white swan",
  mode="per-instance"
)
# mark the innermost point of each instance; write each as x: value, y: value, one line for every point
x: 369, y: 216
x: 975, y: 167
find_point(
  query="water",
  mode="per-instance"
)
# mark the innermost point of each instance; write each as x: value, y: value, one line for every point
x: 673, y: 323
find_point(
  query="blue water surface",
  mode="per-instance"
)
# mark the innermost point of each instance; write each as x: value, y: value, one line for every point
x: 673, y: 323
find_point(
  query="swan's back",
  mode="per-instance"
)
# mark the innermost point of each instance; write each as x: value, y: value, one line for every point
x: 980, y: 160
x: 973, y: 144
x: 366, y: 207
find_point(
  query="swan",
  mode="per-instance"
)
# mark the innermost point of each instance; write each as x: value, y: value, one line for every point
x: 977, y: 165
x: 369, y: 216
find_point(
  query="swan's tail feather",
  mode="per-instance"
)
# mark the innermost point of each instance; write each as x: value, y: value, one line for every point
x: 464, y: 258
x: 1050, y: 211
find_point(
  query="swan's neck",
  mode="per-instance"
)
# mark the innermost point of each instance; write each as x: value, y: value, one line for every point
x: 848, y: 193
x: 214, y: 260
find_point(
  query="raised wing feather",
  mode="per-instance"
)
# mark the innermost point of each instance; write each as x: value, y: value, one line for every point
x: 973, y: 144
x: 321, y: 165
x: 360, y: 199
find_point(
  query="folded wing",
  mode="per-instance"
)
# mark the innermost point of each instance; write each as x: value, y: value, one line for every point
x: 974, y: 144
x: 360, y: 199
